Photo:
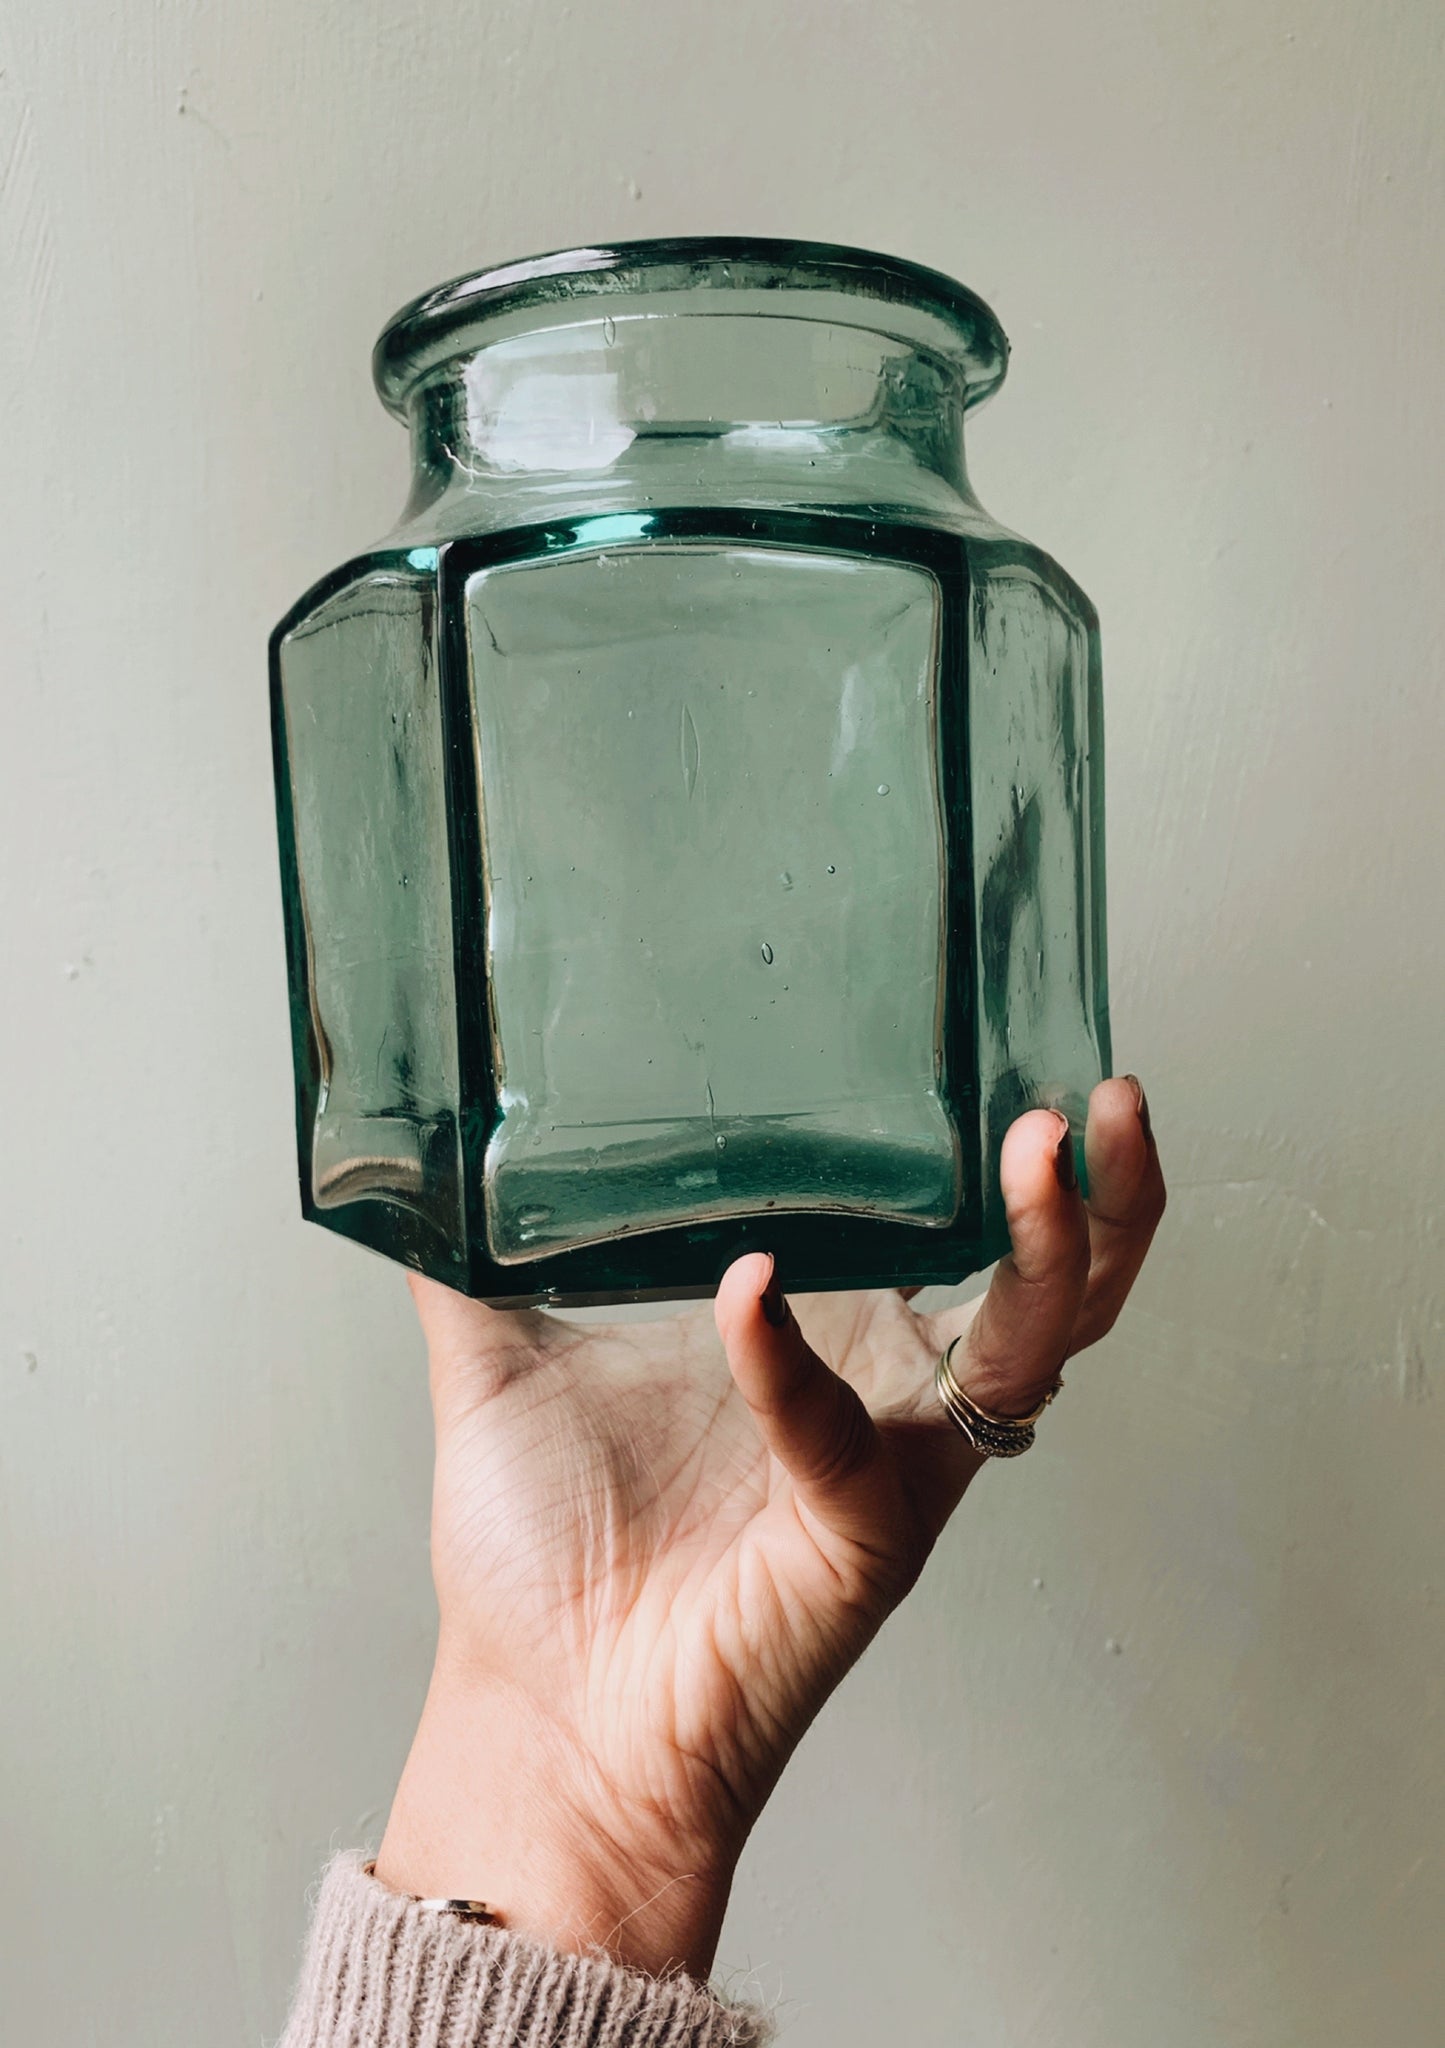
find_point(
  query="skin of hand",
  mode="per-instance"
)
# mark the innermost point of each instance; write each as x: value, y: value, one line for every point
x: 658, y: 1546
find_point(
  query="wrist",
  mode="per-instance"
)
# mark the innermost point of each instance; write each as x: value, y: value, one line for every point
x: 492, y: 1805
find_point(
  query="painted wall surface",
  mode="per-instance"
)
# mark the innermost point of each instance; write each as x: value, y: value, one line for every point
x: 1154, y: 1755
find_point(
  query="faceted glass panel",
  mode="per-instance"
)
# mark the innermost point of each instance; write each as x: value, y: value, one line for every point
x: 714, y: 885
x: 363, y: 778
x: 1037, y: 789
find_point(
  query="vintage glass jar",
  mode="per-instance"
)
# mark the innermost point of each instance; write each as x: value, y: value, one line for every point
x: 690, y: 812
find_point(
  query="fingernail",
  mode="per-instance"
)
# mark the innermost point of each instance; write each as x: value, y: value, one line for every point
x: 774, y: 1303
x: 1064, y: 1165
x: 1142, y: 1105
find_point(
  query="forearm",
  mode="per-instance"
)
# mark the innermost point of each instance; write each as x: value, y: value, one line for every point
x: 492, y: 1806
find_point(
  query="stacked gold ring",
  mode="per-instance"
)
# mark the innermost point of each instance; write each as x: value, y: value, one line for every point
x: 992, y: 1436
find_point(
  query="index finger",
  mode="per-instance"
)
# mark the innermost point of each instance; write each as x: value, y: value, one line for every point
x: 1006, y: 1331
x: 1126, y: 1201
x: 1016, y: 1338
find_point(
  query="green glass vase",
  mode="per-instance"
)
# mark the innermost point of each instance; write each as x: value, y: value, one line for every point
x: 691, y: 812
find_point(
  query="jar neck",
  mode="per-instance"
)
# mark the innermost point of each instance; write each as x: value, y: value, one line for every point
x: 689, y: 403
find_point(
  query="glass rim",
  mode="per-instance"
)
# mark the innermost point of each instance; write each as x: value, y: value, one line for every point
x: 931, y: 309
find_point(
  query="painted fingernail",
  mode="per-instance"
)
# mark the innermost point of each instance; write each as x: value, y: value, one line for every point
x: 774, y: 1303
x: 1064, y: 1165
x: 1142, y: 1106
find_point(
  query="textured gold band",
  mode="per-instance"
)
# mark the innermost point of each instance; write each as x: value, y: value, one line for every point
x: 992, y: 1436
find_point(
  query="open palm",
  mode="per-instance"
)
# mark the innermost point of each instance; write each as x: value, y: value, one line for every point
x: 656, y: 1552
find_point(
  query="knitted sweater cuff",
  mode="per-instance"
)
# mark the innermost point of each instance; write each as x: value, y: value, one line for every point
x: 380, y: 1973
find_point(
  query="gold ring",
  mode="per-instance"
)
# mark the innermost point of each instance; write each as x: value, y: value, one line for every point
x: 992, y: 1436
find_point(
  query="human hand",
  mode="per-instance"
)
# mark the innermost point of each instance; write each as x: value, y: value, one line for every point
x: 655, y: 1555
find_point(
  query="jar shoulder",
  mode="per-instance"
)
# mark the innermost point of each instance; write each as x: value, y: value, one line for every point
x: 1007, y: 571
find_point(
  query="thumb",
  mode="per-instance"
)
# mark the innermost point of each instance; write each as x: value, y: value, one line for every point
x: 812, y: 1421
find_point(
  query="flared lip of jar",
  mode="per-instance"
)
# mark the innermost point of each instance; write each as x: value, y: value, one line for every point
x: 885, y: 293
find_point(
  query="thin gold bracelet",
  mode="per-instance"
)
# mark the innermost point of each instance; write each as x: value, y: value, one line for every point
x: 475, y: 1912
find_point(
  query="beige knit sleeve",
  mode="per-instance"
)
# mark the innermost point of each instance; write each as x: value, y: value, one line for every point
x: 379, y: 1973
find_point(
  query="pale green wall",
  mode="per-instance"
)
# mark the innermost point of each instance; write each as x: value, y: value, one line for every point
x: 1154, y: 1756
